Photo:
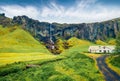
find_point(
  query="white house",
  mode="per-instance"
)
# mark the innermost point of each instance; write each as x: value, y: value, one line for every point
x: 101, y: 49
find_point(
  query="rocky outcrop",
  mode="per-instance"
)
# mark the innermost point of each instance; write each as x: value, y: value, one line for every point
x: 5, y: 21
x: 87, y: 31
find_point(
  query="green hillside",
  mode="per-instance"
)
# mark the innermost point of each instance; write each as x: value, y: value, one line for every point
x: 75, y: 41
x: 78, y: 45
x: 15, y: 39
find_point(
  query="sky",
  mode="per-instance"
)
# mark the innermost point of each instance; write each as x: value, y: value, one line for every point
x: 62, y: 11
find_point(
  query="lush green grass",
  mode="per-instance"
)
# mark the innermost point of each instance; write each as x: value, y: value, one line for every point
x: 114, y: 63
x: 72, y: 67
x: 78, y: 48
x: 7, y: 58
x: 78, y: 45
x: 75, y: 41
x: 100, y: 42
x: 112, y: 41
x: 15, y: 39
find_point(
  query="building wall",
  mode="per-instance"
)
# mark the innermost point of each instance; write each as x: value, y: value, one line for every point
x: 101, y: 51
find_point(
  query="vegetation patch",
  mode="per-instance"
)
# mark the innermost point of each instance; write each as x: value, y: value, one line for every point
x: 112, y: 42
x: 8, y: 58
x: 100, y: 42
x: 114, y: 63
x: 14, y: 39
x: 74, y: 67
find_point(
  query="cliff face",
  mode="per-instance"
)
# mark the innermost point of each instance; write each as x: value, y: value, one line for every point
x: 91, y: 31
x: 4, y: 20
x: 88, y: 31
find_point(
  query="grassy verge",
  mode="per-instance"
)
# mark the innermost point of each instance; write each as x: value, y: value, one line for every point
x: 72, y: 67
x: 20, y: 66
x: 114, y: 63
x: 94, y: 57
x: 7, y: 58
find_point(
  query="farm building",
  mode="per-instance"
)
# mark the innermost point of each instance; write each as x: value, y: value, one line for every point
x: 101, y: 49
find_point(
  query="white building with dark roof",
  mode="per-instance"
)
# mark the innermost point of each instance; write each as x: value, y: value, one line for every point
x: 101, y: 49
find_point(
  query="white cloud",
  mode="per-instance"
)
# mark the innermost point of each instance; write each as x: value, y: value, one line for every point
x: 53, y: 10
x: 84, y: 11
x: 16, y: 10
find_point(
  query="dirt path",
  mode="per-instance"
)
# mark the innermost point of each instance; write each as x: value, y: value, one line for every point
x: 109, y: 74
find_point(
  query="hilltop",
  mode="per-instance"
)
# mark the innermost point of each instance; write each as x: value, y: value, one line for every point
x: 15, y: 39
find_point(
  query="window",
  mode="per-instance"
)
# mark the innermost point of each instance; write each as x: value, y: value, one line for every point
x: 90, y: 50
x: 104, y: 51
x: 108, y: 51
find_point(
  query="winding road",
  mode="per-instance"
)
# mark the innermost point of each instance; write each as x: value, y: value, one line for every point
x: 109, y: 74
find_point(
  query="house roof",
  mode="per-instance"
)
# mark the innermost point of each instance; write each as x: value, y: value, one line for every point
x: 93, y: 47
x: 101, y: 47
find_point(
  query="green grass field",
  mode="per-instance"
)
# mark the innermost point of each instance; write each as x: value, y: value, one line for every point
x: 114, y: 63
x: 8, y: 58
x: 73, y: 67
x: 18, y: 49
x: 77, y: 45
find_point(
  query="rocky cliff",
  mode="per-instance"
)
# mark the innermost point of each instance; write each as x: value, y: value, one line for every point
x: 87, y: 31
x: 5, y: 21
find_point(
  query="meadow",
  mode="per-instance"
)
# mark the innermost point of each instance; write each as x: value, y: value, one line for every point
x: 71, y: 67
x: 8, y: 58
x: 114, y: 63
x: 21, y: 50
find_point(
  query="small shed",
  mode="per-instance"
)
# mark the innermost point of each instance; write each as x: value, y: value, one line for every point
x: 101, y: 49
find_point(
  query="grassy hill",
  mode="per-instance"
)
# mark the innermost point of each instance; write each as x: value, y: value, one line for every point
x: 15, y: 39
x: 78, y: 45
x: 75, y: 41
x: 71, y: 65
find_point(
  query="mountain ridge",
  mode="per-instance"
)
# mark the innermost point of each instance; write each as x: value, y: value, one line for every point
x: 86, y: 31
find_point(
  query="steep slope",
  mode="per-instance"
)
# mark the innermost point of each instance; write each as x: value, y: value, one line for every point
x: 15, y: 39
x: 87, y: 31
x: 75, y: 41
x: 78, y: 45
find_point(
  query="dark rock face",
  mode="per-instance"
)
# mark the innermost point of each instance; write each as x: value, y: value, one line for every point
x: 4, y: 20
x: 37, y: 29
x: 43, y: 30
x: 91, y: 31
